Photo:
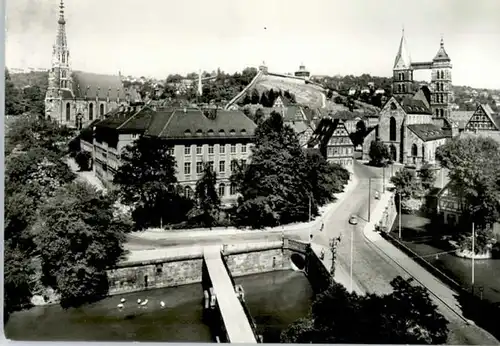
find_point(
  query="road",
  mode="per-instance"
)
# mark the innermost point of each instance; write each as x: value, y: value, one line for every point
x: 372, y: 269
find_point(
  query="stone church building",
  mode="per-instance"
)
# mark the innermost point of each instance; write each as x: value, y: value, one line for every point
x: 413, y: 123
x: 75, y: 98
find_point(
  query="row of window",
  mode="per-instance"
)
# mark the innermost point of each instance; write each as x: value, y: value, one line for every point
x: 211, y: 149
x: 402, y: 88
x: 339, y: 151
x: 440, y: 113
x: 222, y: 166
x: 91, y: 111
x: 481, y: 125
x: 343, y: 162
x: 222, y: 188
x: 440, y: 75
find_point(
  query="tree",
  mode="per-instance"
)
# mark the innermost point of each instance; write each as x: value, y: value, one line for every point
x: 264, y: 101
x: 83, y: 160
x: 147, y: 181
x: 473, y: 163
x: 13, y: 101
x: 79, y: 238
x: 274, y: 187
x: 405, y: 182
x: 207, y: 208
x: 427, y: 177
x: 259, y: 116
x: 378, y: 153
x: 255, y: 97
x: 405, y: 316
x: 325, y: 178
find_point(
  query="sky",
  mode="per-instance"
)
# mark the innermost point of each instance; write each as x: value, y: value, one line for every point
x: 155, y: 38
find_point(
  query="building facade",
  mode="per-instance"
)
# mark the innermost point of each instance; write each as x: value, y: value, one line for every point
x: 75, y: 98
x: 484, y: 121
x: 221, y: 138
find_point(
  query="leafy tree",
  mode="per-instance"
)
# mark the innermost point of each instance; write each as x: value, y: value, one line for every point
x: 325, y: 178
x: 271, y: 97
x: 79, y: 238
x: 483, y: 240
x: 274, y: 188
x: 264, y: 100
x: 259, y: 116
x: 83, y: 160
x: 427, y: 177
x: 13, y: 101
x: 207, y: 208
x: 405, y: 182
x: 406, y: 316
x: 255, y: 97
x: 378, y: 153
x: 17, y: 280
x: 147, y: 181
x: 473, y: 163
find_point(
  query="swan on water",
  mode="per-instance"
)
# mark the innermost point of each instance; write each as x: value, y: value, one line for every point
x: 120, y: 306
x: 162, y: 304
x: 145, y: 302
x: 123, y: 300
x: 138, y: 301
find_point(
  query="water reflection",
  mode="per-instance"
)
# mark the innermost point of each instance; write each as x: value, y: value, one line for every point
x: 275, y: 300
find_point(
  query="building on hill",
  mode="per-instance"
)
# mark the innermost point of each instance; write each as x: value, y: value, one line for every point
x: 332, y: 139
x: 75, y: 98
x: 303, y: 72
x: 440, y: 87
x: 221, y: 138
x: 407, y: 129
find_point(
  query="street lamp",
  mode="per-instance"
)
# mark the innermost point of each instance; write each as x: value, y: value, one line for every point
x: 352, y: 254
x: 474, y: 210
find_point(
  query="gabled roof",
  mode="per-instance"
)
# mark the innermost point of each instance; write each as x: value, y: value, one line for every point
x: 403, y: 60
x: 427, y: 132
x: 441, y: 54
x: 494, y: 118
x: 90, y: 85
x: 192, y: 123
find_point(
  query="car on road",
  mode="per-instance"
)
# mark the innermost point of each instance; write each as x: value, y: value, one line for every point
x: 353, y: 220
x: 377, y: 195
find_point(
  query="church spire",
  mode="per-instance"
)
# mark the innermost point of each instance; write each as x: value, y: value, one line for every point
x: 402, y: 60
x: 61, y: 42
x: 441, y: 54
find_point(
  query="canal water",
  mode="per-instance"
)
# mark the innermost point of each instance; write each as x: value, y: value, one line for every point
x: 275, y: 300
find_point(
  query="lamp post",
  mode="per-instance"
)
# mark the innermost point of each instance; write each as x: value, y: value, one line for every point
x: 399, y: 216
x: 474, y: 210
x: 352, y: 254
x: 369, y: 197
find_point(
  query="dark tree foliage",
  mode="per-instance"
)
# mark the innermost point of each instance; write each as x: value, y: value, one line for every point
x: 259, y: 116
x: 254, y: 97
x: 207, y: 208
x: 379, y: 154
x: 406, y: 316
x: 84, y: 160
x: 405, y: 182
x: 78, y: 238
x: 427, y: 177
x: 14, y: 104
x: 147, y: 181
x: 474, y: 174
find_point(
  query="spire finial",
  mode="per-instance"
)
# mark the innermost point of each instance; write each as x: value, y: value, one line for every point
x: 442, y: 41
x: 403, y: 29
x: 61, y: 13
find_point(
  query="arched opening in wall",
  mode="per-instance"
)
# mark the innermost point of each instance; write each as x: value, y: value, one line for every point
x: 63, y: 74
x: 392, y: 129
x: 222, y: 189
x: 101, y: 109
x: 68, y: 112
x: 298, y: 262
x: 393, y: 106
x: 91, y: 111
x: 399, y: 87
x: 393, y: 153
x: 414, y: 150
x: 423, y: 152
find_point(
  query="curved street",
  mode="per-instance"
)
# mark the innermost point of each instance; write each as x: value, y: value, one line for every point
x: 372, y: 269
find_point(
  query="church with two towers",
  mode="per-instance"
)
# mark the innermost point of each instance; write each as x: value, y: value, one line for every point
x: 76, y: 98
x: 416, y: 119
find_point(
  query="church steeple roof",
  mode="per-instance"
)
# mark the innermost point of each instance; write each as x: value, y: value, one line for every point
x: 61, y: 42
x: 441, y: 54
x: 403, y: 60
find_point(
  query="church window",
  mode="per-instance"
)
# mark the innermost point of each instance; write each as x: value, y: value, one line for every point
x: 414, y: 150
x: 68, y: 112
x: 101, y: 109
x: 404, y: 88
x: 63, y: 74
x: 423, y: 152
x: 392, y: 129
x: 399, y: 87
x: 63, y: 56
x: 393, y: 106
x: 91, y: 111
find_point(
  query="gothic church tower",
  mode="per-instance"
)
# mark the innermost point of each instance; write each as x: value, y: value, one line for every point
x: 441, y: 84
x: 402, y: 82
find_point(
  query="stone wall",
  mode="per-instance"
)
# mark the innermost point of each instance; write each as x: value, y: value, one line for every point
x: 149, y: 275
x: 318, y: 275
x: 257, y: 262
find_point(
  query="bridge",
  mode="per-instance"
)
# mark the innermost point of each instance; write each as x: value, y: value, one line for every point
x: 221, y: 297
